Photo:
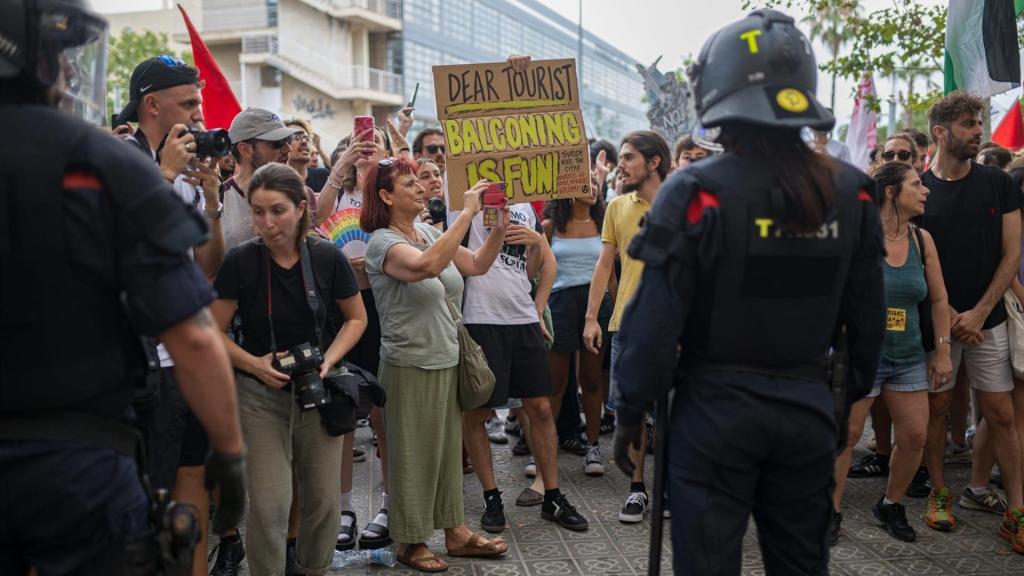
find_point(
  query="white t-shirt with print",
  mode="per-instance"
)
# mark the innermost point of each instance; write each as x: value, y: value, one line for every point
x: 502, y: 296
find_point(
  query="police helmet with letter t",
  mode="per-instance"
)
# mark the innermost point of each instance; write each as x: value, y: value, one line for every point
x: 758, y: 70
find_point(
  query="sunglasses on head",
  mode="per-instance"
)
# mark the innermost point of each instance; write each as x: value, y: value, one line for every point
x: 382, y: 166
x: 903, y: 155
x: 434, y: 148
x: 166, y: 60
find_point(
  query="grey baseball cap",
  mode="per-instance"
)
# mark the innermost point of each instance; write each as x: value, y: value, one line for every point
x: 259, y: 124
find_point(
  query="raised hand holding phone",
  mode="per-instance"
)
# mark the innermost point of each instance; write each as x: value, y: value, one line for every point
x: 494, y: 200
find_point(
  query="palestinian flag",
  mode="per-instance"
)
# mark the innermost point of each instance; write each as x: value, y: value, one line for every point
x: 982, y: 53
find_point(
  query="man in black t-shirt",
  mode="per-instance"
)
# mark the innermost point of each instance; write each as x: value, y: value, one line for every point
x: 973, y: 213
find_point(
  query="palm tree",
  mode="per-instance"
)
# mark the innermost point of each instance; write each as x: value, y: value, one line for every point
x: 829, y: 22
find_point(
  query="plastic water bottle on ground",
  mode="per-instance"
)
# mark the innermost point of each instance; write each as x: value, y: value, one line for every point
x: 348, y: 558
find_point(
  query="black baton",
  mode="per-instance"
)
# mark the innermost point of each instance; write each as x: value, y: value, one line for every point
x: 660, y: 460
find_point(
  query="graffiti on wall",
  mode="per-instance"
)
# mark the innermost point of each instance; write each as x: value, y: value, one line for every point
x: 315, y: 108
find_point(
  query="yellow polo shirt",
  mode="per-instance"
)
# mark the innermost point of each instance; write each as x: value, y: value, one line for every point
x: 621, y: 223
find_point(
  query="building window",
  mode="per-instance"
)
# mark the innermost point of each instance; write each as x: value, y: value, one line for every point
x: 511, y: 36
x: 426, y: 13
x: 457, y: 19
x: 485, y: 26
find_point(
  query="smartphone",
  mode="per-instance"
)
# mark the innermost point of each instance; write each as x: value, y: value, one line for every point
x: 362, y: 124
x: 494, y: 199
x: 415, y: 91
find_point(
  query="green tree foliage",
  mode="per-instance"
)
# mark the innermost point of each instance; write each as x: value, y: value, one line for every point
x: 906, y: 38
x: 828, y: 23
x: 124, y: 54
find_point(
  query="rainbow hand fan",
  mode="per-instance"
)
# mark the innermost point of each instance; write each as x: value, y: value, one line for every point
x: 342, y: 227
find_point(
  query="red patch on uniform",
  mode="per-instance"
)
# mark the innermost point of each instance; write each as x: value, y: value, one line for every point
x: 992, y: 211
x: 81, y: 180
x: 704, y: 201
x: 863, y: 196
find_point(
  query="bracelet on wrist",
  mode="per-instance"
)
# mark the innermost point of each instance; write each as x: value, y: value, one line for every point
x: 945, y: 340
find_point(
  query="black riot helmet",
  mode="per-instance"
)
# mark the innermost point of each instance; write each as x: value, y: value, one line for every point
x: 55, y: 51
x: 758, y: 70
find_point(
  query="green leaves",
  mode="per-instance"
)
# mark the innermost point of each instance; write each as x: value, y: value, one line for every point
x: 906, y: 39
x: 126, y: 51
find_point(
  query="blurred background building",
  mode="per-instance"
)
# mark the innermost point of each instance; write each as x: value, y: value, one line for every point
x: 331, y: 60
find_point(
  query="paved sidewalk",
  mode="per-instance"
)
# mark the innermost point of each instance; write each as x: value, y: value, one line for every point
x: 539, y: 548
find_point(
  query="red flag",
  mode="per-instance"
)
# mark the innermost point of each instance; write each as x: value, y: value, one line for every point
x: 1010, y: 132
x: 219, y: 103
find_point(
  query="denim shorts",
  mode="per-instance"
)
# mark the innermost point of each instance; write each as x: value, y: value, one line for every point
x: 912, y: 377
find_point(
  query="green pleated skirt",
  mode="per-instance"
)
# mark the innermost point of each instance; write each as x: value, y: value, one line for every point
x: 424, y: 451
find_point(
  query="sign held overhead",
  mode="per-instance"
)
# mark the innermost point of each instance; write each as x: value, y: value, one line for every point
x: 523, y: 128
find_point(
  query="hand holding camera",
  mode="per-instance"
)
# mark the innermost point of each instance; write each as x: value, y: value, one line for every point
x: 204, y: 175
x: 266, y: 371
x: 302, y: 364
x: 177, y: 150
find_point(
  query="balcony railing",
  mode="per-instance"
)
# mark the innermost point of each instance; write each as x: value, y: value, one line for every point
x: 338, y: 76
x: 224, y: 15
x: 262, y: 44
x: 387, y: 8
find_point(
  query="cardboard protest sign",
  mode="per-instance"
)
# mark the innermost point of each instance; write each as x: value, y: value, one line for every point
x: 521, y: 128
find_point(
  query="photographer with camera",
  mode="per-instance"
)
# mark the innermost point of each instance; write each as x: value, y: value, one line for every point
x: 166, y: 103
x: 280, y: 366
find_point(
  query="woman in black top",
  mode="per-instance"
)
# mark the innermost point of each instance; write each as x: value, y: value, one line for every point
x: 263, y: 281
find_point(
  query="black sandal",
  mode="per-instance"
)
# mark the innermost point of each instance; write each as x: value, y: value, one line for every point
x: 381, y: 536
x: 349, y: 531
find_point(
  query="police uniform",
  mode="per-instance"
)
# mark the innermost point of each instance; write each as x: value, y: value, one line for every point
x: 93, y: 247
x: 739, y: 314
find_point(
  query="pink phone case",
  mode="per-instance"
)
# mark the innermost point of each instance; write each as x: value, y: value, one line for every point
x: 362, y: 124
x: 494, y: 199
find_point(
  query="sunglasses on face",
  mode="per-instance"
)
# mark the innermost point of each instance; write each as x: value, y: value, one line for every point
x: 903, y: 155
x: 434, y: 148
x: 277, y: 144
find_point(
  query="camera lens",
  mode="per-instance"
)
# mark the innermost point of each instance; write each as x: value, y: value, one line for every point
x: 212, y: 143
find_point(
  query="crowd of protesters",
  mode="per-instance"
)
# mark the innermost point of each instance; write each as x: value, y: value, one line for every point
x: 543, y: 295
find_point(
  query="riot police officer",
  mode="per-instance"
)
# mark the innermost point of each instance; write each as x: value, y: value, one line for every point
x: 754, y: 260
x: 92, y: 247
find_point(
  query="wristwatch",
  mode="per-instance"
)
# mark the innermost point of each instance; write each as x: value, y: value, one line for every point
x: 214, y: 214
x: 945, y: 340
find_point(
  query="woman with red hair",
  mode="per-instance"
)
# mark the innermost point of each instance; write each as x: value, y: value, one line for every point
x: 416, y: 273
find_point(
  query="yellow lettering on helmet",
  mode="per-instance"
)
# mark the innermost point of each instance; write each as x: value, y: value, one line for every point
x: 764, y: 224
x: 751, y: 38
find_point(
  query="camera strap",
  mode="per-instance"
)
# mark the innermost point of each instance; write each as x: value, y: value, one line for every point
x: 308, y: 285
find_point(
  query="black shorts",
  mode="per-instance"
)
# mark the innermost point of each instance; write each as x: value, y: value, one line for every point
x: 518, y: 358
x: 568, y: 316
x: 173, y: 436
x: 366, y: 352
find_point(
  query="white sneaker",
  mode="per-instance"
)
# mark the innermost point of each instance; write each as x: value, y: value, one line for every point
x: 593, y: 465
x: 496, y: 431
x: 531, y: 469
x: 634, y: 509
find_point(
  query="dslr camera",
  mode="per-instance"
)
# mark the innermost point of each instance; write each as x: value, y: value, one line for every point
x: 302, y: 364
x: 210, y: 143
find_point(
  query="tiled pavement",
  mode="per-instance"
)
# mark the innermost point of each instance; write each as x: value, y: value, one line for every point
x: 539, y: 548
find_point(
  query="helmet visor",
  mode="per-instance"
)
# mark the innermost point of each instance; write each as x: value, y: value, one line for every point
x: 73, y: 62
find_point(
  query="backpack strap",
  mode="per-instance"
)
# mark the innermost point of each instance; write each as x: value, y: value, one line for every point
x: 920, y: 243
